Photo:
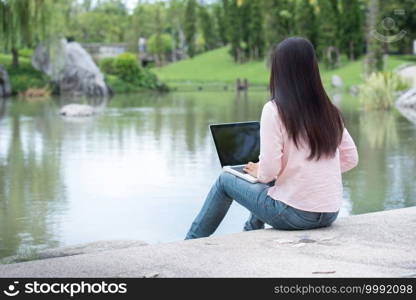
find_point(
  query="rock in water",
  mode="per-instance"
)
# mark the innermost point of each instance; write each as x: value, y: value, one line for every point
x: 5, y: 88
x: 336, y: 81
x: 71, y: 68
x: 77, y: 110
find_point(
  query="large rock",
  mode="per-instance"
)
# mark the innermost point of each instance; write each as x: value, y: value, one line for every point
x: 5, y: 88
x: 88, y: 248
x: 71, y: 68
x: 408, y: 73
x: 407, y: 99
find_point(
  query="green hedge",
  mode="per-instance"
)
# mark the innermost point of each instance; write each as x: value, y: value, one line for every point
x: 124, y: 75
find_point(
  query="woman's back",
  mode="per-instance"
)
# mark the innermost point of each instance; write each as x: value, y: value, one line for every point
x: 301, y: 182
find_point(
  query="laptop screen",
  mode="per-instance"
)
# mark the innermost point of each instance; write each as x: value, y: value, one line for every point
x: 237, y: 143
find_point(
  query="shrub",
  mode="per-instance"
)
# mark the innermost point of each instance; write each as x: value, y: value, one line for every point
x: 106, y: 65
x: 25, y: 76
x: 125, y: 66
x: 379, y: 90
x: 119, y: 86
x: 124, y: 75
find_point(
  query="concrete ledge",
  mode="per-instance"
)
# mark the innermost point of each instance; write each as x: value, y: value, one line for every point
x: 378, y: 244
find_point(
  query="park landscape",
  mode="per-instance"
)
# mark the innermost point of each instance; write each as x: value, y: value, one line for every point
x: 105, y: 107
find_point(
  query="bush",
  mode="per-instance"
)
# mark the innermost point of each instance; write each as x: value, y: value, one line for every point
x: 126, y: 67
x: 119, y: 86
x: 106, y: 65
x: 379, y: 90
x: 124, y: 75
x: 25, y: 76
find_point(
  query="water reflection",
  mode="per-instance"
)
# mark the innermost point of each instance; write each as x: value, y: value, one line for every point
x: 31, y: 187
x: 141, y: 168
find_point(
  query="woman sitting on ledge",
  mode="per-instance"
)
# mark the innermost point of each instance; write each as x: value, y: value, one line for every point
x: 304, y: 148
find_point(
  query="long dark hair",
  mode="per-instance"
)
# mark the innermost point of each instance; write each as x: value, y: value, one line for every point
x: 303, y: 105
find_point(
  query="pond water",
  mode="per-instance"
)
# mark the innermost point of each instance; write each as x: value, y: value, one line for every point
x: 141, y: 168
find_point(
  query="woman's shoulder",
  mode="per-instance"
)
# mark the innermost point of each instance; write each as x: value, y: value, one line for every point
x: 270, y: 107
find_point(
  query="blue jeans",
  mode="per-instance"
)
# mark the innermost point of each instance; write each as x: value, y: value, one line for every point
x: 263, y: 208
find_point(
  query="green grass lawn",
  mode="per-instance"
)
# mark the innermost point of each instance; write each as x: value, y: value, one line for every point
x: 217, y: 66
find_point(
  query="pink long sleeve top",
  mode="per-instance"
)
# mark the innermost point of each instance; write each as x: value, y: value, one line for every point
x: 309, y: 185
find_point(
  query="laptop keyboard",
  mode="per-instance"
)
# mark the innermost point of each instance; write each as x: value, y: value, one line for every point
x: 239, y: 169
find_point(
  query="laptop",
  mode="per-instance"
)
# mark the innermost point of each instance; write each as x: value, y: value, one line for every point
x: 237, y: 144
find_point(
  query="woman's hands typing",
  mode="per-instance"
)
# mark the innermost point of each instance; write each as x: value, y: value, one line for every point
x: 251, y: 168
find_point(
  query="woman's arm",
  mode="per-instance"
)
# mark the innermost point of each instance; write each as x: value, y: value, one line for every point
x: 271, y: 144
x: 348, y: 154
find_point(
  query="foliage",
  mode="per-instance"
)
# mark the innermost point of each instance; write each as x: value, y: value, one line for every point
x: 190, y: 26
x: 329, y: 32
x: 257, y: 43
x: 206, y: 22
x: 106, y: 65
x: 25, y: 23
x: 159, y: 44
x: 352, y: 28
x: 126, y: 67
x: 107, y: 22
x: 279, y: 20
x: 221, y: 20
x: 379, y: 90
x: 24, y: 76
x: 119, y: 86
x: 305, y: 20
x: 124, y: 75
x: 26, y: 52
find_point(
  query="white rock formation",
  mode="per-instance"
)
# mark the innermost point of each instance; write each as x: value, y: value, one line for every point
x: 407, y: 99
x: 71, y: 68
x: 77, y: 110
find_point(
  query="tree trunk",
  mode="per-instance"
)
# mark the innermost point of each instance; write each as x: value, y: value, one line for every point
x: 352, y: 56
x: 15, y: 57
x: 374, y: 59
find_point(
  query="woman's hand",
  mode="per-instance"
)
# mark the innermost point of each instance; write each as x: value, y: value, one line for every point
x: 251, y: 168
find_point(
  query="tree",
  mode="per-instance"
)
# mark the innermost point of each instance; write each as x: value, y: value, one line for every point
x: 257, y: 40
x: 305, y: 20
x: 175, y: 20
x: 207, y: 27
x: 329, y: 32
x: 25, y: 23
x: 279, y: 20
x: 106, y: 22
x: 220, y: 13
x: 235, y: 31
x: 159, y: 43
x: 352, y: 37
x: 190, y: 26
x: 374, y: 58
